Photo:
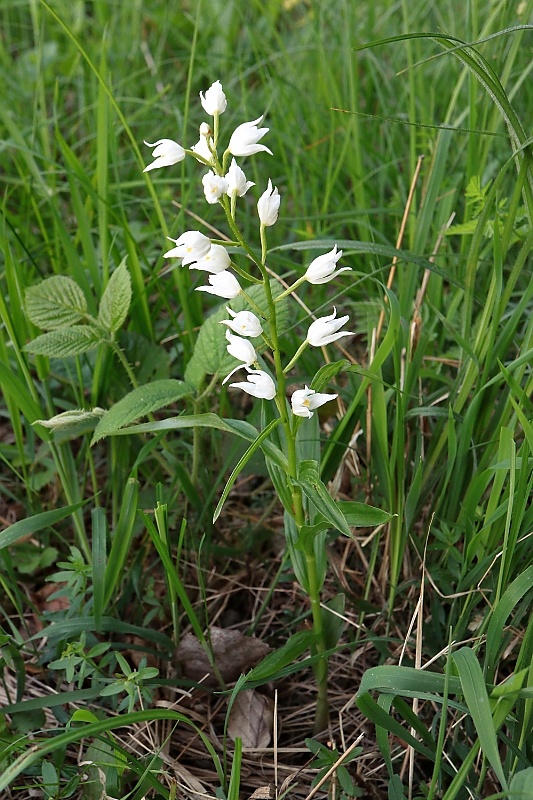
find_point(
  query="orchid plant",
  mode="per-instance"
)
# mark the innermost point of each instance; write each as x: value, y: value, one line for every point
x: 309, y: 508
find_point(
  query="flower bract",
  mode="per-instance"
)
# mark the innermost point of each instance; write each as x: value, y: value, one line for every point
x: 214, y: 186
x: 322, y: 269
x: 258, y: 384
x: 190, y: 246
x: 305, y: 401
x: 326, y: 330
x: 223, y: 284
x: 268, y: 205
x: 236, y: 180
x: 214, y: 100
x: 244, y: 139
x: 244, y: 323
x: 216, y: 260
x: 166, y: 152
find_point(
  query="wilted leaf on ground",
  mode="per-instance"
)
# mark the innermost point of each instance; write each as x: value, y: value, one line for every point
x: 233, y: 652
x: 251, y: 718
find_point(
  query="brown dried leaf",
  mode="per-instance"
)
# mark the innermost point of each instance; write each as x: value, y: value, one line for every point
x: 263, y: 793
x: 234, y: 653
x: 251, y: 718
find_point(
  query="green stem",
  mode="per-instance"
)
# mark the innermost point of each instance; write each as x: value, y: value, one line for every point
x: 321, y: 668
x: 290, y: 290
x: 124, y: 361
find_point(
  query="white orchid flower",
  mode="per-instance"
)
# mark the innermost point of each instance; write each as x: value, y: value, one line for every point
x: 190, y: 246
x: 223, y: 284
x: 216, y: 260
x: 214, y: 100
x: 166, y: 153
x: 201, y: 148
x: 236, y: 180
x: 305, y: 401
x: 242, y: 350
x: 244, y: 323
x: 258, y: 384
x: 322, y: 269
x: 268, y: 205
x: 214, y: 186
x: 326, y: 330
x: 243, y: 140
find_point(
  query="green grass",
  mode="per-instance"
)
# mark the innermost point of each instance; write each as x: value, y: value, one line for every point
x: 353, y: 95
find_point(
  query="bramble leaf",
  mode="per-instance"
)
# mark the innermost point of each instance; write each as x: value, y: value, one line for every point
x: 115, y: 302
x: 56, y: 302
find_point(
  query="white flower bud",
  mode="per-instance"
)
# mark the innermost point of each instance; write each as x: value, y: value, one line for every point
x: 324, y: 330
x: 268, y: 205
x: 214, y: 101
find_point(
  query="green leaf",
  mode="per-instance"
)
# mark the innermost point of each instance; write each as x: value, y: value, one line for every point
x: 295, y: 645
x: 65, y: 342
x: 477, y: 700
x: 55, y: 303
x: 73, y: 419
x: 139, y: 403
x: 242, y: 463
x: 315, y: 490
x: 521, y: 787
x: 236, y: 426
x: 35, y: 524
x: 500, y: 613
x: 326, y: 373
x: 115, y: 302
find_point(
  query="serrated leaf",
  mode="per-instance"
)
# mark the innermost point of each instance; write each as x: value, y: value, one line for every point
x: 56, y: 302
x: 139, y: 403
x: 210, y: 355
x: 115, y: 302
x: 65, y: 342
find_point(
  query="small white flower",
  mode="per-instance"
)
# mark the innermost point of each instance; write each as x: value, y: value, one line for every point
x: 223, y: 284
x: 244, y: 323
x: 258, y: 384
x: 268, y: 205
x: 304, y: 401
x: 324, y: 330
x: 322, y: 269
x: 242, y: 350
x: 201, y: 148
x: 215, y: 261
x: 190, y: 246
x: 214, y: 186
x: 237, y: 183
x: 205, y: 130
x: 214, y: 101
x: 166, y: 153
x: 243, y: 140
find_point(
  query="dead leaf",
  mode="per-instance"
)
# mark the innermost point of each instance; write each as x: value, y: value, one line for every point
x: 251, y: 718
x: 263, y: 793
x: 234, y: 653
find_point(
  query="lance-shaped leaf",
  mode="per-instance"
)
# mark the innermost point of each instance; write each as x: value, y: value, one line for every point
x: 315, y: 490
x: 138, y: 403
x: 115, y: 302
x: 55, y: 302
